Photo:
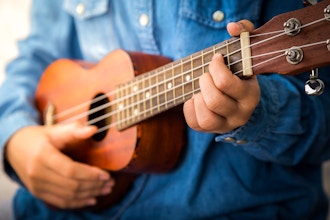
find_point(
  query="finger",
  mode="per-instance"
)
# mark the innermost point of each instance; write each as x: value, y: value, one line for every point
x: 70, y: 168
x: 225, y: 80
x: 62, y: 135
x: 207, y: 120
x: 70, y: 191
x: 236, y: 28
x: 200, y: 118
x: 215, y: 100
x: 190, y: 114
x: 53, y: 179
x: 63, y: 203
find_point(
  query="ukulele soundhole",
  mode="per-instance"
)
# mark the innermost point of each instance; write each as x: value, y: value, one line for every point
x: 99, y: 109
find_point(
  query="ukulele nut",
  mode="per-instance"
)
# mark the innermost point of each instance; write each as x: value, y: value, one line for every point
x: 328, y: 44
x: 292, y: 26
x: 294, y: 55
x: 327, y: 13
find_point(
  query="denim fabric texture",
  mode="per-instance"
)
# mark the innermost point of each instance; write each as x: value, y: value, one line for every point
x: 274, y: 174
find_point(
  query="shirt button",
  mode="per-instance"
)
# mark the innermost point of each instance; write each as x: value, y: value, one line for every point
x: 144, y: 20
x: 229, y: 139
x: 218, y: 16
x: 80, y: 9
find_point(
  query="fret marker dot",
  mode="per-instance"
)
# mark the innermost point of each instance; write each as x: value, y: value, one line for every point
x: 135, y: 88
x: 136, y: 111
x: 187, y: 78
x: 169, y: 85
x: 120, y: 106
x: 147, y: 95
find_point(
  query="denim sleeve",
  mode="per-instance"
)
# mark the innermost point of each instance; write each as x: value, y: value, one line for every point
x: 36, y: 52
x: 288, y: 126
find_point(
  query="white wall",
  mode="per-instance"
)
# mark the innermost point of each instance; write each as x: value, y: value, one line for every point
x: 13, y: 26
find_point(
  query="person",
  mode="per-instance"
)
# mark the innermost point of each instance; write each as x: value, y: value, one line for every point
x: 254, y: 147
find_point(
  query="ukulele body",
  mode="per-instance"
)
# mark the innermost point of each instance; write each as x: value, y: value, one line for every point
x: 152, y: 146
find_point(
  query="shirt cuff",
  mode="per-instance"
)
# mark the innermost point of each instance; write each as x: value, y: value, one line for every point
x: 261, y: 120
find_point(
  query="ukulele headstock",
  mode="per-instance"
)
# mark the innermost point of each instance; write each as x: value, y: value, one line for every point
x: 293, y: 42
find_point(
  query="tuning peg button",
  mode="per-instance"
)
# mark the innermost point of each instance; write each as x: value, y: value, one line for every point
x: 314, y: 86
x: 327, y: 13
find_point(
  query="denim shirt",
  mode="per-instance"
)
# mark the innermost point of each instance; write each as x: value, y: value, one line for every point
x: 270, y: 168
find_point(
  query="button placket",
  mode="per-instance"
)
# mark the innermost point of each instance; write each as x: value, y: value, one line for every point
x: 144, y: 19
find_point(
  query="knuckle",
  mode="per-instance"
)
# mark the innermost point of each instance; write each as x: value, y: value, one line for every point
x: 74, y: 187
x: 64, y: 204
x: 212, y: 103
x: 206, y: 124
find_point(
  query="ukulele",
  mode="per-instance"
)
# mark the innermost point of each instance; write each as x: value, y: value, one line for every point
x: 141, y: 128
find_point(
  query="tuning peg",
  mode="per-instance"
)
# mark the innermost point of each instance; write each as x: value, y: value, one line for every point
x: 314, y: 86
x: 308, y: 2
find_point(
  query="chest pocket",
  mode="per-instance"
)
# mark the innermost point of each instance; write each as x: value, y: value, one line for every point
x: 85, y: 9
x: 90, y: 17
x: 209, y: 19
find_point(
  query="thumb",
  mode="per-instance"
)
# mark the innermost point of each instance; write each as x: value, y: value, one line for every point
x: 66, y: 134
x: 236, y: 28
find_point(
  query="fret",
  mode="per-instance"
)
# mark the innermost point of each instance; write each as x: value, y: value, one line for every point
x: 157, y: 92
x: 148, y: 96
x: 177, y: 83
x: 183, y: 79
x: 188, y: 77
x: 119, y: 106
x: 165, y: 88
x: 161, y: 89
x: 128, y: 107
x: 140, y: 97
x: 227, y: 59
x: 145, y: 96
x: 197, y: 67
x: 192, y: 77
x: 203, y: 63
x: 135, y: 100
x: 173, y: 85
x: 170, y: 85
x: 154, y: 92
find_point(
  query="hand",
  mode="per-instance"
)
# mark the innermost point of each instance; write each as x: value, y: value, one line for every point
x: 225, y: 101
x: 35, y: 154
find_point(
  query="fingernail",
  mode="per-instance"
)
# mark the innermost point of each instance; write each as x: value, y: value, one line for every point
x: 107, y: 188
x: 104, y: 176
x: 91, y: 202
x: 241, y: 25
x: 106, y: 191
x: 217, y: 56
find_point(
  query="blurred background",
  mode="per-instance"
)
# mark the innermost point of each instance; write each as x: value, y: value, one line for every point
x: 14, y: 25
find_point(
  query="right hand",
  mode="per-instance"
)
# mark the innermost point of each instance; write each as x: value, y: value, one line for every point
x: 35, y: 154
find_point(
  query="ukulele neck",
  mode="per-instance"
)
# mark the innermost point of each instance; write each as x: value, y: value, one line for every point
x: 173, y: 84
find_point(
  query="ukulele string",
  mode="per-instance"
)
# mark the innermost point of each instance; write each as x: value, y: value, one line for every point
x: 177, y: 98
x: 73, y: 109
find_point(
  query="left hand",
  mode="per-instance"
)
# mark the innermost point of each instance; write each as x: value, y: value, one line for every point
x: 225, y: 101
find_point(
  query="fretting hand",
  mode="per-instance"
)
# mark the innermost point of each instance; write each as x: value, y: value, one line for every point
x: 225, y: 101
